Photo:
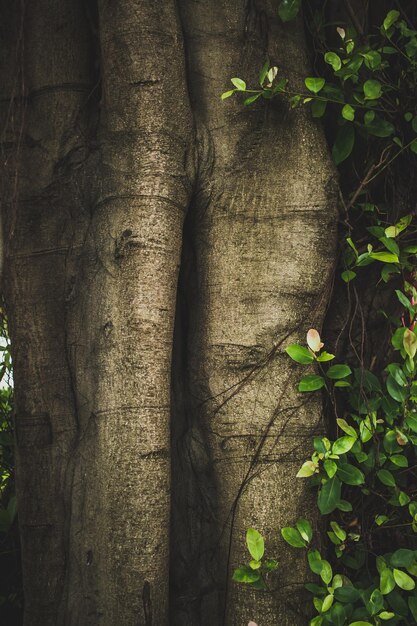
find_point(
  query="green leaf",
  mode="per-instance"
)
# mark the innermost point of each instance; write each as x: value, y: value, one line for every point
x: 305, y: 529
x: 245, y: 575
x: 306, y: 470
x: 343, y: 145
x: 343, y: 425
x: 372, y: 59
x: 386, y: 615
x: 300, y: 354
x: 390, y: 19
x: 385, y: 257
x: 411, y: 422
x: 403, y: 299
x: 372, y: 89
x: 380, y: 127
x: 339, y: 532
x: 397, y: 338
x: 311, y: 383
x: 326, y: 572
x: 393, y: 231
x: 263, y: 73
x: 255, y: 543
x: 333, y: 59
x: 344, y: 506
x: 399, y: 459
x: 315, y: 561
x: 293, y: 537
x: 338, y: 371
x: 410, y: 343
x: 227, y: 94
x: 348, y: 275
x: 376, y: 602
x: 329, y: 496
x: 288, y: 9
x: 314, y: 84
x: 330, y: 467
x: 325, y: 356
x: 346, y: 594
x: 396, y: 392
x: 360, y: 624
x: 386, y: 478
x: 412, y: 603
x: 239, y: 84
x: 255, y: 564
x: 403, y: 580
x: 338, y: 615
x: 348, y: 113
x: 402, y: 558
x: 252, y: 99
x: 270, y: 565
x: 327, y: 603
x: 350, y: 475
x: 391, y: 245
x: 318, y: 108
x: 343, y: 444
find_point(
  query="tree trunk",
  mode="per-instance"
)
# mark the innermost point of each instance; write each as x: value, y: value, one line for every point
x: 94, y: 234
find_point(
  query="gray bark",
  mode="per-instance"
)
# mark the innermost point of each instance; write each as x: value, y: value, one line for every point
x: 94, y: 233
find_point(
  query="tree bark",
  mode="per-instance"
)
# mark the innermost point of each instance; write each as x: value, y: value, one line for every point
x: 108, y: 168
x: 260, y: 248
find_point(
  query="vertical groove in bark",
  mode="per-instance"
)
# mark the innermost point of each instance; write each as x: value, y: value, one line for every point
x: 40, y: 217
x: 122, y: 322
x: 263, y: 233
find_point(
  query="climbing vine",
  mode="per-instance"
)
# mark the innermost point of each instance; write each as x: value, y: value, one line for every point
x: 365, y: 476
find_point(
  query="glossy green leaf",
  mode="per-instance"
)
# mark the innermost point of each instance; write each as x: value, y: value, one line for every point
x: 403, y: 580
x: 343, y: 444
x: 350, y: 474
x: 324, y: 357
x: 386, y: 581
x: 348, y: 113
x: 334, y: 60
x: 307, y: 469
x: 386, y: 478
x: 252, y: 99
x: 314, y: 561
x: 255, y: 544
x: 330, y: 467
x: 385, y: 257
x: 348, y: 275
x: 391, y: 18
x: 343, y: 425
x: 245, y: 575
x: 305, y: 529
x: 314, y: 84
x: 372, y: 89
x: 293, y: 537
x: 329, y: 495
x: 312, y: 382
x: 239, y: 84
x: 402, y: 558
x: 326, y: 572
x: 300, y: 354
x: 338, y: 371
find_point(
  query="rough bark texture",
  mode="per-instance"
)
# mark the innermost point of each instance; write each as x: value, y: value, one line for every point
x: 257, y: 268
x: 94, y: 237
